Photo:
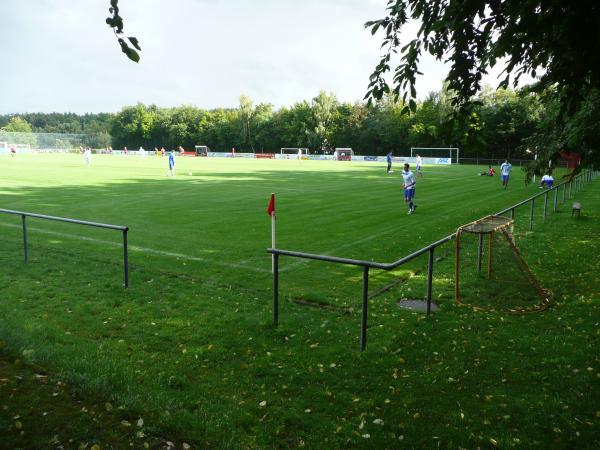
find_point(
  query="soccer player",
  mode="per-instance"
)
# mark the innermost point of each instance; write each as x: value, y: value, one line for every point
x: 419, y: 161
x: 409, y: 188
x: 171, y: 171
x: 13, y: 151
x: 505, y: 169
x: 489, y: 173
x: 87, y: 156
x: 547, y: 180
x: 389, y: 162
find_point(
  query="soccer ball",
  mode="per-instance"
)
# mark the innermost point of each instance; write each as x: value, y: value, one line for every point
x: 190, y: 174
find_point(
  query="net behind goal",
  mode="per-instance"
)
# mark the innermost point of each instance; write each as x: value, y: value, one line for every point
x: 490, y: 273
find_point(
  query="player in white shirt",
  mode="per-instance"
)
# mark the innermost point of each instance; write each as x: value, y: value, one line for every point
x: 409, y: 184
x: 505, y: 169
x: 419, y: 161
x: 87, y: 156
x: 547, y: 180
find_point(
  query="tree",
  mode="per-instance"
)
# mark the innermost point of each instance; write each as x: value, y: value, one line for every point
x: 18, y: 131
x: 324, y: 106
x: 17, y: 125
x: 552, y: 40
x: 246, y: 116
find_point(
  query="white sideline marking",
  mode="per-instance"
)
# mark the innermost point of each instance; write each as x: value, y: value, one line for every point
x: 137, y: 248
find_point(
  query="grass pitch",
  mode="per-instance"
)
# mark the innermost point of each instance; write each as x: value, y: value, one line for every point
x: 213, y: 224
x: 189, y: 347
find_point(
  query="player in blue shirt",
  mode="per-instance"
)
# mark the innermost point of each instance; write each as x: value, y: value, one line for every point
x: 409, y: 184
x: 171, y: 164
x: 389, y: 162
x: 505, y: 169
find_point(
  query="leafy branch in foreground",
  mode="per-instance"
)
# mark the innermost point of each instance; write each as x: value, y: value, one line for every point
x: 554, y: 41
x: 115, y: 21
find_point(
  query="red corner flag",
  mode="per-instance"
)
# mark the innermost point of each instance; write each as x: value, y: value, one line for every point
x: 271, y: 208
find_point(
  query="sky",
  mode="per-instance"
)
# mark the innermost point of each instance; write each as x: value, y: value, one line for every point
x: 59, y: 55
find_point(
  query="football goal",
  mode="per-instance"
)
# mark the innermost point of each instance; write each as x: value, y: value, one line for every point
x: 490, y: 273
x: 3, y: 147
x: 452, y: 153
x: 294, y: 151
x: 343, y: 154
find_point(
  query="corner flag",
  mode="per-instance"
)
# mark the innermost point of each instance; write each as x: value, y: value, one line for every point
x: 271, y: 208
x: 271, y: 212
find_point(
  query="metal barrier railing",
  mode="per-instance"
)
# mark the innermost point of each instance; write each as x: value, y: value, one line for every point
x: 123, y: 229
x: 576, y: 184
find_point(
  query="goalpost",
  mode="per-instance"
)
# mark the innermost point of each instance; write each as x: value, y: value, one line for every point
x: 3, y: 147
x: 298, y: 152
x: 294, y: 150
x: 452, y: 153
x: 343, y: 154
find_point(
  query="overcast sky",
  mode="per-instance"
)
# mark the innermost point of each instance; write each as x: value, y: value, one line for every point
x: 59, y: 55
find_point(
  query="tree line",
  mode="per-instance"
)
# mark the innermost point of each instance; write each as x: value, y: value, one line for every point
x: 501, y: 123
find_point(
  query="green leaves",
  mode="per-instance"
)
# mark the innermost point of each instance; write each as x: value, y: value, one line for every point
x: 115, y: 21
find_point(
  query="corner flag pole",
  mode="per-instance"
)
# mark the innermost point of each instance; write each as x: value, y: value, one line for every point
x: 271, y: 212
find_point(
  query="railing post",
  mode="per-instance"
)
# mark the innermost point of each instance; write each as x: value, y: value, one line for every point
x: 512, y: 213
x: 365, y: 299
x: 430, y: 279
x: 25, y: 252
x: 564, y: 191
x: 555, y: 198
x: 125, y: 258
x: 545, y: 204
x: 531, y: 214
x: 570, y: 188
x: 275, y: 289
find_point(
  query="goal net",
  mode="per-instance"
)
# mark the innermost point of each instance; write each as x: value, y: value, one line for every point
x: 343, y: 154
x: 490, y: 273
x: 294, y: 151
x: 452, y: 153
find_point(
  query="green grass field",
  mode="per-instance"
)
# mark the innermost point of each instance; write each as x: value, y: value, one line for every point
x: 190, y: 347
x: 214, y: 225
